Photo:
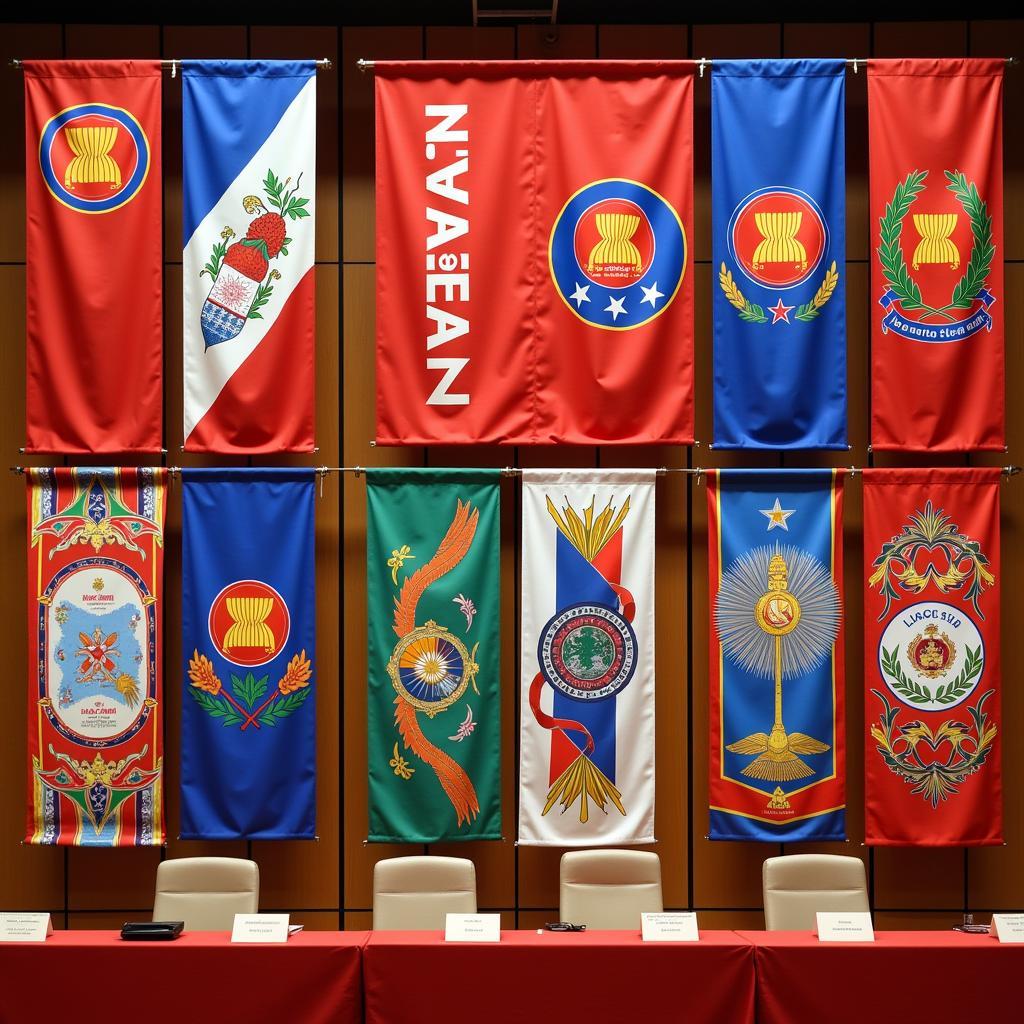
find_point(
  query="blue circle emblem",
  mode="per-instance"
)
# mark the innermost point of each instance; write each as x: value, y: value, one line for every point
x: 617, y: 254
x: 94, y: 157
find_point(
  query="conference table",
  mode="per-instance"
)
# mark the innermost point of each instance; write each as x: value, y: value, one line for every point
x: 315, y: 977
x: 905, y: 977
x: 531, y: 977
x: 86, y: 977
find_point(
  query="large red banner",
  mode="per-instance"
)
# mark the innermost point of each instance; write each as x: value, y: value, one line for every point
x: 94, y: 352
x: 931, y: 657
x: 534, y: 265
x: 936, y: 144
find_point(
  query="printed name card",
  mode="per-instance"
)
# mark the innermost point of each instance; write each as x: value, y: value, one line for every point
x: 669, y: 927
x: 1009, y: 927
x: 16, y: 927
x: 472, y: 928
x: 851, y: 927
x: 260, y: 928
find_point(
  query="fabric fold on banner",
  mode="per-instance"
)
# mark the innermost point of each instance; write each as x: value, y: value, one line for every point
x: 586, y: 770
x: 775, y: 555
x: 936, y: 206
x: 778, y: 177
x: 545, y: 212
x: 249, y: 193
x: 94, y: 256
x: 95, y: 613
x: 248, y: 729
x: 932, y: 687
x: 433, y: 590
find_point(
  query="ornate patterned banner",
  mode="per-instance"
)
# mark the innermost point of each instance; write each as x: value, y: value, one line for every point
x: 553, y: 252
x: 931, y: 657
x: 94, y: 256
x: 432, y: 564
x: 248, y: 731
x: 775, y: 554
x: 95, y: 599
x: 587, y: 720
x: 779, y: 247
x: 936, y: 143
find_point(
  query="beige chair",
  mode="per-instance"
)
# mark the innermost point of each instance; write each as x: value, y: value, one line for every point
x: 798, y: 886
x: 609, y: 888
x: 206, y: 892
x: 414, y: 893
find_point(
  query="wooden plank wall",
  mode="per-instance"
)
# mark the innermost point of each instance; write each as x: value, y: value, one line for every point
x: 327, y: 884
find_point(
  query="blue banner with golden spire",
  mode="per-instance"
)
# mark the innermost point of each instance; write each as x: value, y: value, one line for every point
x: 779, y: 244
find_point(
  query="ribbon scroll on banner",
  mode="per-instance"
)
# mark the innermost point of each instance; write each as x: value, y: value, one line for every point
x: 936, y: 149
x: 775, y: 549
x: 586, y: 774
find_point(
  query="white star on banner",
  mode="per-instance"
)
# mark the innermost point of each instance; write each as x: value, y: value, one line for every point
x: 615, y: 306
x: 580, y: 295
x: 777, y: 516
x: 652, y: 294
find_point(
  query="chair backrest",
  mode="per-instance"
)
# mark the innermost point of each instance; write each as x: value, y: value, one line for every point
x: 609, y: 888
x: 796, y: 887
x: 414, y: 893
x: 206, y: 892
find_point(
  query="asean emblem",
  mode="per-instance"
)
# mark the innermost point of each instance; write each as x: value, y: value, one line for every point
x: 936, y: 300
x: 587, y: 652
x: 94, y: 157
x: 777, y: 237
x: 617, y: 254
x: 430, y: 668
x: 249, y: 623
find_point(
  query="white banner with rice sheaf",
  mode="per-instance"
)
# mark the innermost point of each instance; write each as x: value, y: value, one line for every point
x: 587, y: 722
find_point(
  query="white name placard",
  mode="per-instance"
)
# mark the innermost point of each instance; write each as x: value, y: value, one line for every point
x: 851, y: 927
x: 260, y: 928
x: 15, y: 927
x: 680, y: 927
x: 472, y: 928
x: 1009, y: 927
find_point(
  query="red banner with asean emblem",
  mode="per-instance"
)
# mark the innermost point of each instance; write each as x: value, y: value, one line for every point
x: 935, y: 135
x: 931, y: 657
x: 534, y: 265
x: 93, y: 246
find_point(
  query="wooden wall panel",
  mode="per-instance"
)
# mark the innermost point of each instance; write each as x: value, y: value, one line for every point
x: 330, y: 881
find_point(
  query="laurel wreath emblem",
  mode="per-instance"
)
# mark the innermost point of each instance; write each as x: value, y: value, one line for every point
x: 752, y: 313
x: 890, y: 251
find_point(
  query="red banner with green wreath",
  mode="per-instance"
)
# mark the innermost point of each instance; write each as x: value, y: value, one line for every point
x: 936, y: 145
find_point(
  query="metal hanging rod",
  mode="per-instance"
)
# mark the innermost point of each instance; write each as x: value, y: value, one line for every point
x: 322, y: 64
x: 706, y: 62
x: 696, y: 471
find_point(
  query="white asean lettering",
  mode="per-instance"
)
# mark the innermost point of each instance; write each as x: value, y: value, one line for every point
x: 447, y: 279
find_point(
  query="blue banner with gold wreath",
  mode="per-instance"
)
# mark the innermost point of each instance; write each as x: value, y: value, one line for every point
x: 779, y: 242
x: 248, y: 731
x: 775, y: 545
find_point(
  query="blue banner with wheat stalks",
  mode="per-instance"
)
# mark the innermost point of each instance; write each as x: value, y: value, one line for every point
x: 248, y: 730
x: 779, y: 242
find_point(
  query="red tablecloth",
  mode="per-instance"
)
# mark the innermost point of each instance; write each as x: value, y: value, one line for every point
x: 96, y: 978
x: 606, y: 977
x: 904, y: 977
